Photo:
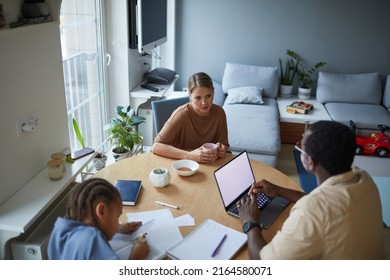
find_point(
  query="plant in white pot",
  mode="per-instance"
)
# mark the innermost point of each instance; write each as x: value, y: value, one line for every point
x: 123, y: 133
x: 288, y: 72
x: 306, y: 80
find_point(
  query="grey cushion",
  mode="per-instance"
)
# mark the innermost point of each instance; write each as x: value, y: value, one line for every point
x: 254, y: 128
x: 363, y: 115
x: 241, y: 75
x: 245, y: 95
x: 349, y: 88
x: 219, y: 95
x: 386, y: 94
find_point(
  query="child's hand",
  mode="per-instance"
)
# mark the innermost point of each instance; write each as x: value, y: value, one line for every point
x: 140, y: 249
x: 129, y: 227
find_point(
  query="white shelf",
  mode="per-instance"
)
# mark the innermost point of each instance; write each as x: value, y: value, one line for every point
x: 26, y: 205
x: 318, y: 113
x: 140, y: 95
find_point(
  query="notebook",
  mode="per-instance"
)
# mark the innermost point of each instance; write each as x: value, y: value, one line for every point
x: 234, y: 180
x: 129, y: 190
x: 209, y: 241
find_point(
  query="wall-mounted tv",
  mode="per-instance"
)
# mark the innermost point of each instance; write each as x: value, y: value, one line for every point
x: 147, y: 24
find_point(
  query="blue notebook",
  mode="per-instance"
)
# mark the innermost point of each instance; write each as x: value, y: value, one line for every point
x: 129, y: 190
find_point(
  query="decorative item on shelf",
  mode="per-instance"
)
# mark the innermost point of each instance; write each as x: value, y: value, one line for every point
x: 123, y: 133
x: 159, y: 177
x: 35, y: 11
x: 299, y: 107
x: 306, y: 80
x: 55, y: 169
x: 59, y: 156
x: 100, y: 160
x: 287, y: 73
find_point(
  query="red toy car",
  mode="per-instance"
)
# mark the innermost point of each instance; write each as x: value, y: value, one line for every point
x: 376, y: 143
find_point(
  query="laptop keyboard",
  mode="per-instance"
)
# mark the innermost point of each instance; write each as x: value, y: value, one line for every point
x: 262, y: 201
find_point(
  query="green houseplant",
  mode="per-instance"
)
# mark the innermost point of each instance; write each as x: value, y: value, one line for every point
x: 122, y: 132
x: 306, y: 79
x: 288, y: 72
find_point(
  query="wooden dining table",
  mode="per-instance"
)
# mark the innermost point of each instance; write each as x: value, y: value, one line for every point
x: 196, y: 195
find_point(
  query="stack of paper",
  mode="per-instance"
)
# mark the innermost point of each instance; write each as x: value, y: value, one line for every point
x: 164, y: 238
x: 162, y: 233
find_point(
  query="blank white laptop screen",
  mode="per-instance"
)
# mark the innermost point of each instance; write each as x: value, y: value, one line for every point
x: 234, y: 178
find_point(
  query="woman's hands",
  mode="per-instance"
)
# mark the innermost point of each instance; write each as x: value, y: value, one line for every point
x: 206, y: 155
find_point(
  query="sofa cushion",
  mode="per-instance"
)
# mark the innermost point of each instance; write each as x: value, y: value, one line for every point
x: 254, y: 128
x: 349, y: 88
x: 366, y: 116
x: 241, y: 75
x: 386, y: 94
x: 219, y: 95
x: 245, y: 95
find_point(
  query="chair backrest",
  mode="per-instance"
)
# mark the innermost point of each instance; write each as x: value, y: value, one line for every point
x: 163, y: 108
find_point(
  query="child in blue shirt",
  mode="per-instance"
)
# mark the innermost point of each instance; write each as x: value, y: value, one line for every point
x: 91, y: 221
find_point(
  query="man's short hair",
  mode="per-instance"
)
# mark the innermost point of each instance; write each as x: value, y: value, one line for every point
x: 332, y: 144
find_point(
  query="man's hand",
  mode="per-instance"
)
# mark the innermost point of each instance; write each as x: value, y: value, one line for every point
x: 265, y: 187
x: 248, y: 209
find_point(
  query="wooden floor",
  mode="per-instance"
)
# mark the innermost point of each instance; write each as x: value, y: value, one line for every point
x: 286, y: 162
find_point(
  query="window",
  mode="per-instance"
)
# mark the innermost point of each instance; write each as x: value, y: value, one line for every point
x: 82, y: 43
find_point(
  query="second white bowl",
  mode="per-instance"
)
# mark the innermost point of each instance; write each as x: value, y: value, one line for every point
x: 185, y: 167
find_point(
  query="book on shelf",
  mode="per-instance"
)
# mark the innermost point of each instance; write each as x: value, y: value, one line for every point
x: 129, y: 190
x: 209, y: 241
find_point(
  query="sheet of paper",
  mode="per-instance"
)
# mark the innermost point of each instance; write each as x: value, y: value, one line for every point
x: 185, y: 220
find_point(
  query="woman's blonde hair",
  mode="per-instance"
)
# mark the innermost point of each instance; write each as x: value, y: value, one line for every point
x: 200, y: 79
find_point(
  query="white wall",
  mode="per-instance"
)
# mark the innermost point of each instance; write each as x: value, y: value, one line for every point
x: 350, y: 35
x: 31, y: 81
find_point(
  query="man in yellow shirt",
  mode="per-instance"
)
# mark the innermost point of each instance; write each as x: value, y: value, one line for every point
x: 340, y: 219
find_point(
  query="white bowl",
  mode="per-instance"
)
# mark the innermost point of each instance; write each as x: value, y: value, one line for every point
x: 185, y: 163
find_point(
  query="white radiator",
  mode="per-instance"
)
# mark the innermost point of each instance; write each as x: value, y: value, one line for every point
x: 32, y: 245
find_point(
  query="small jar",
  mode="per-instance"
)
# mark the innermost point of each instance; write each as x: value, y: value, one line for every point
x: 60, y: 157
x: 55, y: 169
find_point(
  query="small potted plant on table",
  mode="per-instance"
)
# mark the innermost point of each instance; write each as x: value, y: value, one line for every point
x: 288, y: 72
x: 123, y: 133
x: 306, y: 80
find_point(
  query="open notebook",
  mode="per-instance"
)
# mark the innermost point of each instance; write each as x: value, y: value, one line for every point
x: 201, y: 243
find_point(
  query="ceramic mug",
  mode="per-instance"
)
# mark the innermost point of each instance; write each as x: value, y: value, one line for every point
x: 210, y: 146
x: 159, y: 177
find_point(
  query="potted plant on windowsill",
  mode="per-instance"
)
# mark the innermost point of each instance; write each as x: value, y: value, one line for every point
x: 123, y: 134
x: 288, y: 72
x: 306, y: 80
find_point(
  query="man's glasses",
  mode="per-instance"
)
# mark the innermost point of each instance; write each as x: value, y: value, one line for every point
x: 298, y: 146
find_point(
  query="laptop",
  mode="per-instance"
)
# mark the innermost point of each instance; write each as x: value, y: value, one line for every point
x: 234, y: 180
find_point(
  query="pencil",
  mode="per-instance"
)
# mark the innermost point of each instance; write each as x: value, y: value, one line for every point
x: 218, y: 246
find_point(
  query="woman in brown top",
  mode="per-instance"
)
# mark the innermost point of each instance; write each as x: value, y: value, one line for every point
x: 193, y: 124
